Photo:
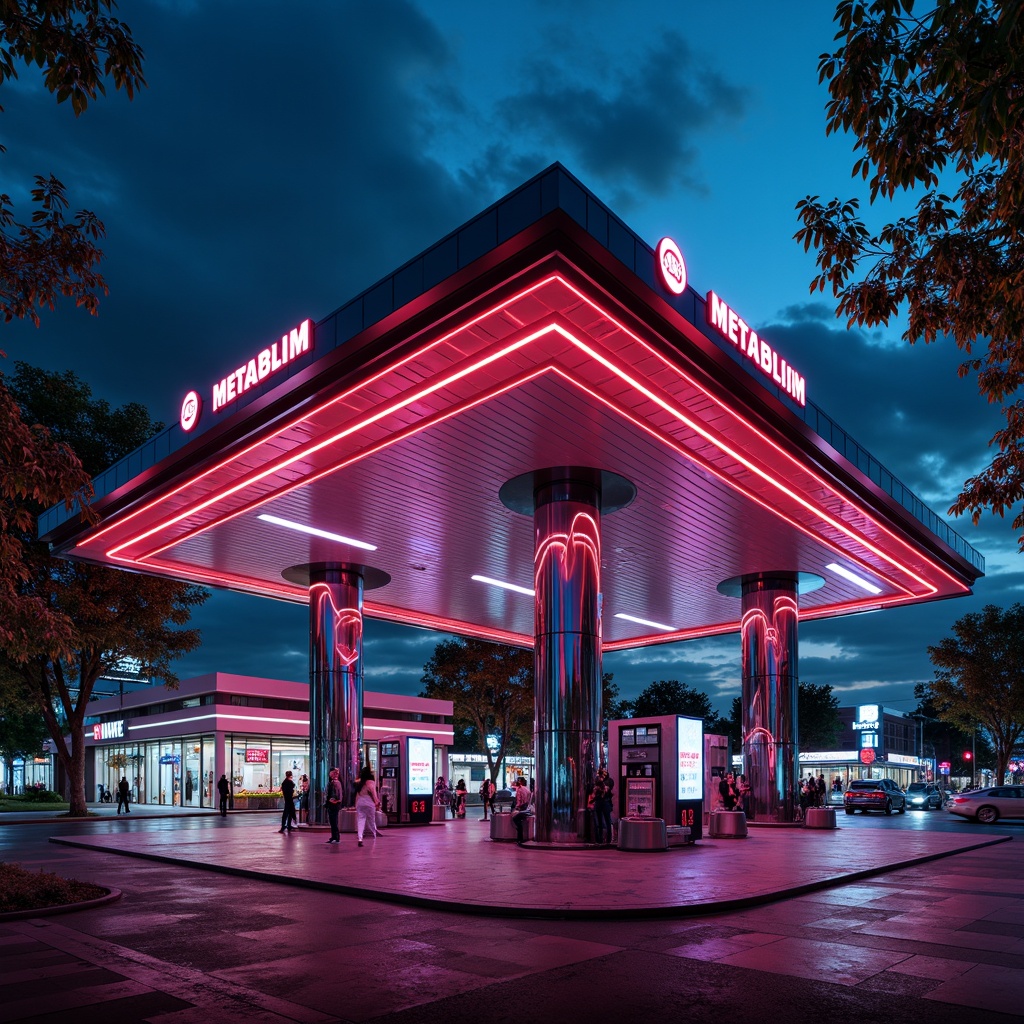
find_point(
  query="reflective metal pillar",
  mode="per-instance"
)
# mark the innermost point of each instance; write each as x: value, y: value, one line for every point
x: 566, y: 504
x: 567, y: 655
x: 768, y: 634
x: 770, y: 680
x: 335, y: 673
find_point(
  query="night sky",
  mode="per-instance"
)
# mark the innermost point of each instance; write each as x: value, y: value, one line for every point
x: 287, y: 156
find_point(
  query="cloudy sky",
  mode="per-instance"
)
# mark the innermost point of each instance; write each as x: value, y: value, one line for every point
x: 286, y: 156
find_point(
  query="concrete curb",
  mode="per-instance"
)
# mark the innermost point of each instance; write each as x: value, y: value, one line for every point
x: 562, y: 912
x: 63, y: 908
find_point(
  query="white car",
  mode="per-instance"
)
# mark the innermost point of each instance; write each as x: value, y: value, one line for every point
x: 988, y: 805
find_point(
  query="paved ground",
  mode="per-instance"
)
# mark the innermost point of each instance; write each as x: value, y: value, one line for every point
x: 534, y: 935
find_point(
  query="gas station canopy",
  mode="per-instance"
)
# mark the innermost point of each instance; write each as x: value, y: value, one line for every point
x: 543, y: 333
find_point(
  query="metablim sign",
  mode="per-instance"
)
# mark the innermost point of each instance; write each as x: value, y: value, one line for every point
x: 730, y: 325
x: 268, y: 361
x: 734, y: 329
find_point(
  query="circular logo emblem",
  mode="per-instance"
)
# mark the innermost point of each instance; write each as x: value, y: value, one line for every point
x: 191, y: 407
x: 671, y: 266
x: 867, y: 756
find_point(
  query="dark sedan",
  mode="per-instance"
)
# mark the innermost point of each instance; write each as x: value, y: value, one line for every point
x: 874, y: 795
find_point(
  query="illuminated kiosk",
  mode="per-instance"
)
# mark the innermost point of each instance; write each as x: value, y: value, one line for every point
x: 541, y: 341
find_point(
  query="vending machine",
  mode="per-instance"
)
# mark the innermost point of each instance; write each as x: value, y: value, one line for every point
x: 659, y: 765
x: 406, y: 779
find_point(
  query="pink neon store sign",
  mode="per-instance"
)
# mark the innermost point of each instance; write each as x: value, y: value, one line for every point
x: 731, y: 326
x: 267, y: 362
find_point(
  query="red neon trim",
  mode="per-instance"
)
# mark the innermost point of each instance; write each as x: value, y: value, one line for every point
x: 494, y: 354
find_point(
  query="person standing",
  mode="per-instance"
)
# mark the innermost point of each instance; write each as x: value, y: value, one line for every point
x: 188, y: 787
x: 288, y: 814
x: 487, y: 791
x: 521, y: 808
x: 727, y: 791
x: 743, y: 800
x: 223, y: 788
x: 332, y: 800
x: 123, y: 793
x: 304, y: 798
x: 603, y: 806
x: 367, y: 804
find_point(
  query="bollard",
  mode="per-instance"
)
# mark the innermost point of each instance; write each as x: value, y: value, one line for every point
x: 820, y: 817
x: 728, y: 825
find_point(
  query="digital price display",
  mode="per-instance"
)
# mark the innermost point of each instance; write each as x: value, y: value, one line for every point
x: 420, y: 770
x: 690, y: 771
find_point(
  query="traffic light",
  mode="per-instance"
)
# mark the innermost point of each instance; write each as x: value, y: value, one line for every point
x: 967, y: 755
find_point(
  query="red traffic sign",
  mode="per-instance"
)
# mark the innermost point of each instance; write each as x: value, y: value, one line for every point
x: 867, y: 755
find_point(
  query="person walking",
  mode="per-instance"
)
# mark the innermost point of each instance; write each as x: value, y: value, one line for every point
x: 288, y: 814
x: 367, y: 804
x: 123, y: 793
x: 332, y: 800
x: 223, y: 788
x: 521, y: 809
x: 487, y: 791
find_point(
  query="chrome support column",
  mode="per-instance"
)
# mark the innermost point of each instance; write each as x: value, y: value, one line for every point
x: 567, y: 655
x: 335, y: 673
x: 769, y: 648
x: 566, y: 504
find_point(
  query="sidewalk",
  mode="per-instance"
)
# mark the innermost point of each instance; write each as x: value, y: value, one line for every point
x: 403, y: 866
x: 225, y: 920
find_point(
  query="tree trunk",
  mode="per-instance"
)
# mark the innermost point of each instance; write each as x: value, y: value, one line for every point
x: 76, y: 773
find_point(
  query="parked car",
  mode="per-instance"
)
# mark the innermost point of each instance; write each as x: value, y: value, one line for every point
x: 874, y: 795
x: 923, y: 796
x: 988, y: 805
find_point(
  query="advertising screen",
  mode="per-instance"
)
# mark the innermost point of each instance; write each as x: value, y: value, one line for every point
x: 690, y: 759
x: 421, y: 764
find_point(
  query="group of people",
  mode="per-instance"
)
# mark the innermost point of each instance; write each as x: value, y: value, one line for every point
x: 296, y: 801
x: 454, y: 798
x: 367, y: 804
x: 812, y: 792
x: 734, y: 792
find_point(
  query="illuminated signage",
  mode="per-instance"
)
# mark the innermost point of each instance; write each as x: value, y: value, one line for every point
x: 671, y: 266
x: 736, y: 330
x: 191, y: 408
x: 108, y: 730
x: 690, y: 759
x: 902, y: 759
x: 255, y: 756
x: 867, y: 718
x: 828, y: 755
x: 264, y: 364
x: 421, y: 765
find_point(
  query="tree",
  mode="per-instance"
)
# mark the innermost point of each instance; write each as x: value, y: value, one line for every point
x: 36, y: 471
x: 106, y: 615
x: 77, y: 45
x: 817, y: 716
x: 22, y: 728
x: 613, y: 706
x: 979, y: 677
x: 934, y: 104
x: 944, y: 740
x: 491, y: 689
x: 671, y: 697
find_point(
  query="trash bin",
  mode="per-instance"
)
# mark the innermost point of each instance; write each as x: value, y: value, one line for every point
x: 728, y: 825
x: 503, y: 828
x: 347, y: 819
x: 639, y: 834
x: 820, y: 817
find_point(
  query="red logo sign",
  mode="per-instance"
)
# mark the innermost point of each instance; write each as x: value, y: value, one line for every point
x: 191, y: 408
x: 867, y: 755
x: 253, y: 756
x: 671, y: 266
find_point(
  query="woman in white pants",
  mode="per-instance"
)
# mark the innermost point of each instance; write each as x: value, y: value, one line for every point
x: 367, y: 804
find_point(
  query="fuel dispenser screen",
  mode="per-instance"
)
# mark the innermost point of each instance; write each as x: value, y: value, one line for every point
x: 420, y: 768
